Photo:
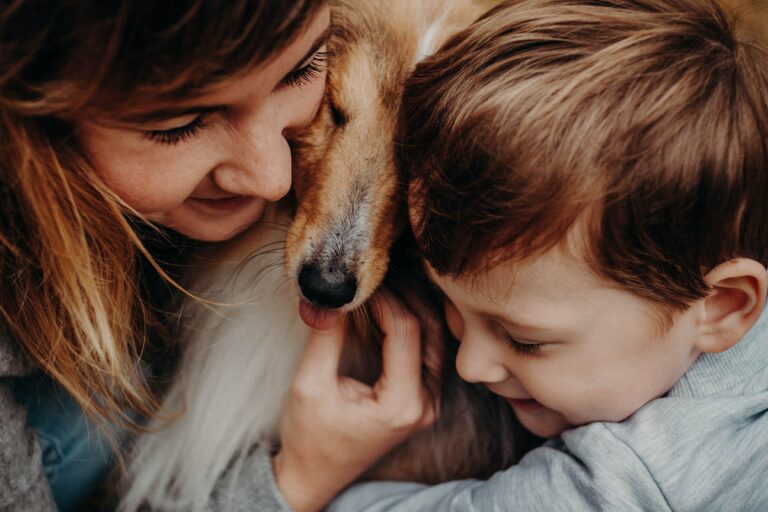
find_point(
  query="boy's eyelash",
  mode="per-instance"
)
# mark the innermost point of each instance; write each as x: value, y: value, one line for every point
x: 176, y: 135
x: 308, y: 73
x: 523, y: 348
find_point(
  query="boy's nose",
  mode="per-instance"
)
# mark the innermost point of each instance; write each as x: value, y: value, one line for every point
x: 476, y: 362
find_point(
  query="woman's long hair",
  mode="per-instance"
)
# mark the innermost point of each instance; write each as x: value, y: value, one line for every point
x: 69, y: 255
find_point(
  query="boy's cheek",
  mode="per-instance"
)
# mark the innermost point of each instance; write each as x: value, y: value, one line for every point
x: 615, y: 405
x: 546, y: 423
x: 453, y: 320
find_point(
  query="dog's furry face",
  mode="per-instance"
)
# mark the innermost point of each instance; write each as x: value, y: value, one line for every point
x: 346, y: 181
x: 349, y: 192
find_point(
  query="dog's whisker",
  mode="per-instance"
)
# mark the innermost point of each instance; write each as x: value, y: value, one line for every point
x: 265, y: 270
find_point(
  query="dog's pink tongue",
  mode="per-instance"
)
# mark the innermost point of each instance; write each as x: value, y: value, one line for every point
x: 317, y: 318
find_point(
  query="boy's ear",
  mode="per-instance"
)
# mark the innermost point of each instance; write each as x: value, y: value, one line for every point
x: 733, y: 305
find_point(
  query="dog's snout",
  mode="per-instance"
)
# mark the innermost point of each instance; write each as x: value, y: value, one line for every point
x: 327, y: 289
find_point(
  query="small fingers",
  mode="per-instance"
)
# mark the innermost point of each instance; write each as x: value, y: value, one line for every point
x: 319, y: 365
x: 433, y: 334
x: 407, y: 404
x: 401, y: 350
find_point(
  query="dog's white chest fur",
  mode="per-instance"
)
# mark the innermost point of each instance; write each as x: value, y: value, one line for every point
x: 233, y: 400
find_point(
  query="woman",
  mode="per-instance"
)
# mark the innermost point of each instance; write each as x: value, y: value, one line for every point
x: 116, y: 115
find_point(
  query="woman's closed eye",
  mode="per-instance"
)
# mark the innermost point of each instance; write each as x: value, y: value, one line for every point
x: 308, y: 71
x: 177, y: 134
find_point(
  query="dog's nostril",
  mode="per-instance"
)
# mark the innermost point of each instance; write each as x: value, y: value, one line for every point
x: 330, y: 290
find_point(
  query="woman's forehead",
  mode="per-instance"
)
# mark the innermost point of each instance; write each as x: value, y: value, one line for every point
x: 176, y: 99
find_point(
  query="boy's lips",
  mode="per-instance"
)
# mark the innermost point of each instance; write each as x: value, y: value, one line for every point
x: 524, y: 404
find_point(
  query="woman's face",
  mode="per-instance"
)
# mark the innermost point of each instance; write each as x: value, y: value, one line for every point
x: 206, y: 168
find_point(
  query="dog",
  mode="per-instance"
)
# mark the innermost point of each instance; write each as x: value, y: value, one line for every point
x: 323, y: 257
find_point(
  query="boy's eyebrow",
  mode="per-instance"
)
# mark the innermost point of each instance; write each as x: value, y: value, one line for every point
x: 505, y: 320
x: 493, y: 315
x: 172, y: 113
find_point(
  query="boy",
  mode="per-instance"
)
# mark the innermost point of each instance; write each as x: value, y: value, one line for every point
x: 588, y: 186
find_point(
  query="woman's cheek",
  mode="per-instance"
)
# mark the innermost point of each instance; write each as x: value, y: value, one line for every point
x: 305, y: 102
x: 156, y: 188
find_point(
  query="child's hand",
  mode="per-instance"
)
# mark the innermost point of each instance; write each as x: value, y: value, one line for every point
x: 334, y: 427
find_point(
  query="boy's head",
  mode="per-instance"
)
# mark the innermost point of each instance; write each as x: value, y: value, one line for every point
x: 616, y: 148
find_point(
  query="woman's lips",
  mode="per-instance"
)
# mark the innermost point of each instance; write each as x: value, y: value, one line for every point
x: 524, y: 405
x: 224, y: 204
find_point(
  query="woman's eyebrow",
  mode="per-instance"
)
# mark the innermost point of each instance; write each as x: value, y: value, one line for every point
x: 169, y: 113
x: 160, y: 115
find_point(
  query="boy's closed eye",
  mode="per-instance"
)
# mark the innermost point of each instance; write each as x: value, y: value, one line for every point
x: 524, y: 347
x: 520, y: 345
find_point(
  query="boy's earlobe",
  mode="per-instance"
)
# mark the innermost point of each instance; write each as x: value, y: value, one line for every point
x: 733, y: 305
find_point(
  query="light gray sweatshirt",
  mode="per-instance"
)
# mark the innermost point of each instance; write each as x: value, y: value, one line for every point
x: 701, y: 447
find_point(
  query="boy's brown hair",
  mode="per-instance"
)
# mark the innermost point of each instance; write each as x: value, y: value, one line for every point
x: 644, y: 123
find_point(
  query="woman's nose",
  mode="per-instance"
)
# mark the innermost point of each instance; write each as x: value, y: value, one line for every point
x: 477, y: 361
x: 259, y: 164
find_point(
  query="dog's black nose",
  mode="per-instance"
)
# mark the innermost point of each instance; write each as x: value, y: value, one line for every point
x: 327, y: 289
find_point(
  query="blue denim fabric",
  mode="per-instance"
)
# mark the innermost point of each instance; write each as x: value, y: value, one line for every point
x: 76, y: 454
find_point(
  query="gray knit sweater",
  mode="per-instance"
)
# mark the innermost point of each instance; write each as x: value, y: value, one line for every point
x: 23, y: 485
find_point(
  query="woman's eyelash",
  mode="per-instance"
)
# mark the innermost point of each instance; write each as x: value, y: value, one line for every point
x: 308, y: 73
x: 176, y: 135
x: 523, y: 348
x: 295, y: 78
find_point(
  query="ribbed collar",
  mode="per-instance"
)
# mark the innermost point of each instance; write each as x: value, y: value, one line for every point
x: 714, y: 373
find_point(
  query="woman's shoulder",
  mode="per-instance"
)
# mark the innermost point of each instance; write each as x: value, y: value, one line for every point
x: 13, y: 362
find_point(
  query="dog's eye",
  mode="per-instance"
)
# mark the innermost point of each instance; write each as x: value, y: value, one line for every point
x: 338, y: 116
